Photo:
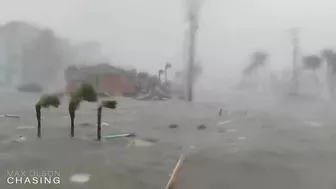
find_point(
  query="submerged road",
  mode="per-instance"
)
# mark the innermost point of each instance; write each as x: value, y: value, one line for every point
x: 257, y: 143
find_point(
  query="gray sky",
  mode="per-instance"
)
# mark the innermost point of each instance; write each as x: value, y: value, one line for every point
x: 147, y: 33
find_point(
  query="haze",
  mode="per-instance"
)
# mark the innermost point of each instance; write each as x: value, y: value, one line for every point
x: 147, y: 33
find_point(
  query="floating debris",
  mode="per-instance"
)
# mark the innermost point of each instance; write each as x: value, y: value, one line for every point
x: 20, y: 139
x: 174, y: 174
x: 80, y: 178
x: 104, y: 124
x: 119, y: 136
x: 201, y: 127
x: 11, y: 116
x: 224, y: 122
x: 173, y: 126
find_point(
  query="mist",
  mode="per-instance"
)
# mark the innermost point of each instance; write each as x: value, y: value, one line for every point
x: 153, y: 31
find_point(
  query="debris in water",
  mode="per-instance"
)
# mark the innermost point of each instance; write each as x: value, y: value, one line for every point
x: 20, y: 139
x: 104, y: 124
x: 11, y: 116
x: 80, y: 178
x: 119, y: 136
x: 175, y: 173
x: 173, y: 126
x: 224, y: 122
x: 201, y: 127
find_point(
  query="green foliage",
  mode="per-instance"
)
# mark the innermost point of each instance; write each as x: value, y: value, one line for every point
x: 74, y: 103
x: 49, y: 100
x: 112, y: 104
x: 312, y: 62
x: 85, y: 92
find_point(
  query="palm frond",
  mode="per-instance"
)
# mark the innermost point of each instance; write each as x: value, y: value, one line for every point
x: 74, y: 103
x: 312, y: 62
x: 85, y: 92
x: 168, y: 65
x: 49, y: 100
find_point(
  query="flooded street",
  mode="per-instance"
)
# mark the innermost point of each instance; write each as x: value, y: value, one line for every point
x: 257, y: 143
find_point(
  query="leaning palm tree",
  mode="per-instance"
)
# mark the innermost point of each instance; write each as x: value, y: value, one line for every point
x: 160, y: 73
x: 85, y: 92
x: 45, y: 101
x: 167, y: 66
x: 258, y: 60
x: 111, y: 104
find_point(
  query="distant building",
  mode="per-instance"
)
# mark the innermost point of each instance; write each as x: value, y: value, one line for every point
x: 105, y: 79
x: 13, y: 37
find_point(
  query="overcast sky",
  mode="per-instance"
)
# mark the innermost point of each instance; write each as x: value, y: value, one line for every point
x: 147, y: 33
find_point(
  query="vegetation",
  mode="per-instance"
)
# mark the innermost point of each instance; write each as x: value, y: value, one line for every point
x: 258, y: 60
x: 104, y: 104
x: 312, y: 62
x: 45, y: 101
x: 85, y: 92
x: 160, y: 73
x: 167, y: 66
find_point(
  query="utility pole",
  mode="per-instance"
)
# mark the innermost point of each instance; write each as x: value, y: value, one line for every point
x: 192, y: 17
x: 295, y: 43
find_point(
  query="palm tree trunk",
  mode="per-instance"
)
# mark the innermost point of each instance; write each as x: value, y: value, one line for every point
x: 99, y: 113
x: 38, y: 117
x: 72, y: 126
x: 166, y: 76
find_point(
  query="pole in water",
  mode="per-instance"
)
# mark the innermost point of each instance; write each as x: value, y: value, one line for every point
x: 38, y: 116
x: 99, y: 123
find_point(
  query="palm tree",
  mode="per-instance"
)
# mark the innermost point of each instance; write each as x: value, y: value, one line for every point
x: 312, y: 62
x: 111, y: 104
x: 167, y: 66
x: 45, y: 102
x: 85, y: 92
x: 258, y: 60
x: 160, y: 73
x: 330, y: 57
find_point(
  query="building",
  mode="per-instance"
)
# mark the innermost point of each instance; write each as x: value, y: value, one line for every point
x: 104, y: 77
